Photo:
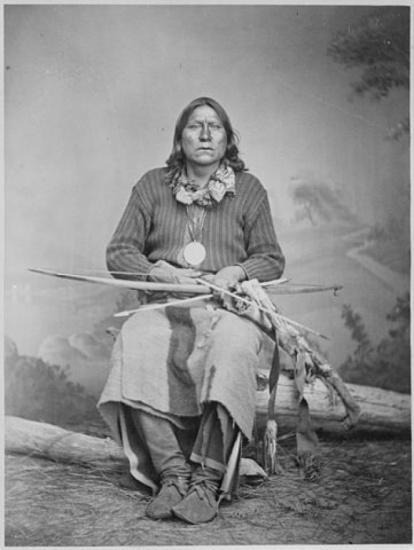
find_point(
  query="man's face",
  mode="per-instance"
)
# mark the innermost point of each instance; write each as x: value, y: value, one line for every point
x: 204, y: 139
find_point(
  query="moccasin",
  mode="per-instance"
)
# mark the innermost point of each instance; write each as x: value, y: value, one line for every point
x: 200, y: 505
x: 172, y: 492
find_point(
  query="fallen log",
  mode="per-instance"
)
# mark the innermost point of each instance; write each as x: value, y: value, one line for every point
x: 43, y: 440
x: 54, y: 443
x: 380, y: 409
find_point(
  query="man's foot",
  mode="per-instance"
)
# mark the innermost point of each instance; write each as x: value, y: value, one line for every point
x: 172, y: 492
x: 201, y: 503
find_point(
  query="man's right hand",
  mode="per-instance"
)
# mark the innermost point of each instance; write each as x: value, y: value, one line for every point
x: 163, y: 272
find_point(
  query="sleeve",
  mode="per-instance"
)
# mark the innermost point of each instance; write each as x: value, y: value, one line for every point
x: 125, y: 256
x: 265, y: 258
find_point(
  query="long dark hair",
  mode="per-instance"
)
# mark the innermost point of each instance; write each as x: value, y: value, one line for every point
x: 176, y: 160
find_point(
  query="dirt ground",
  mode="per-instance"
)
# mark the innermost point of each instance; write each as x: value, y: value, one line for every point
x: 363, y: 496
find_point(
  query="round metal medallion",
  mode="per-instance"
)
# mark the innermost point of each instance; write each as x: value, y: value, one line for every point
x: 194, y: 253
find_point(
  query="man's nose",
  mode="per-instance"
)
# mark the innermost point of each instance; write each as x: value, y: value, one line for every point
x: 205, y: 133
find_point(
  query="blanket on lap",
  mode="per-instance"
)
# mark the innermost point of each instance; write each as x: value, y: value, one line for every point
x: 171, y: 362
x: 176, y: 359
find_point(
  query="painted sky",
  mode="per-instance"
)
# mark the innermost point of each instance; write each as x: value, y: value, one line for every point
x: 92, y: 94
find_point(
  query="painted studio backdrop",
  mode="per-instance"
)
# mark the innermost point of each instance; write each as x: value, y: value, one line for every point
x: 92, y: 94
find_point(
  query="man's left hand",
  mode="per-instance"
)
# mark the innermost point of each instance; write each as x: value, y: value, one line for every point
x: 228, y: 277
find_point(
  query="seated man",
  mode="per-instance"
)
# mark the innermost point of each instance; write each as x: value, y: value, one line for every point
x: 181, y: 392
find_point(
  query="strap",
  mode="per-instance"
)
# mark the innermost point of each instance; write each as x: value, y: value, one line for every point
x: 275, y: 367
x: 273, y: 379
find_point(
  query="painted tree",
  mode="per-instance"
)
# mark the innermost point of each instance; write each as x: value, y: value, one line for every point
x: 316, y: 201
x: 380, y: 47
x: 388, y: 364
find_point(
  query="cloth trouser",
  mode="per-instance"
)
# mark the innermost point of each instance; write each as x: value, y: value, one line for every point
x: 161, y: 442
x: 213, y: 442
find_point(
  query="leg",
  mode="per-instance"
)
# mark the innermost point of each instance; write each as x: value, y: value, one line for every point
x: 162, y: 444
x: 168, y: 461
x: 211, y: 452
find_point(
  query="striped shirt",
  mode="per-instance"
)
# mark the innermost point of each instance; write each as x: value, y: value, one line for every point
x: 237, y: 231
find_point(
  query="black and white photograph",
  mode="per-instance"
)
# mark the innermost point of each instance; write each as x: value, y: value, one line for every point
x: 206, y: 274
